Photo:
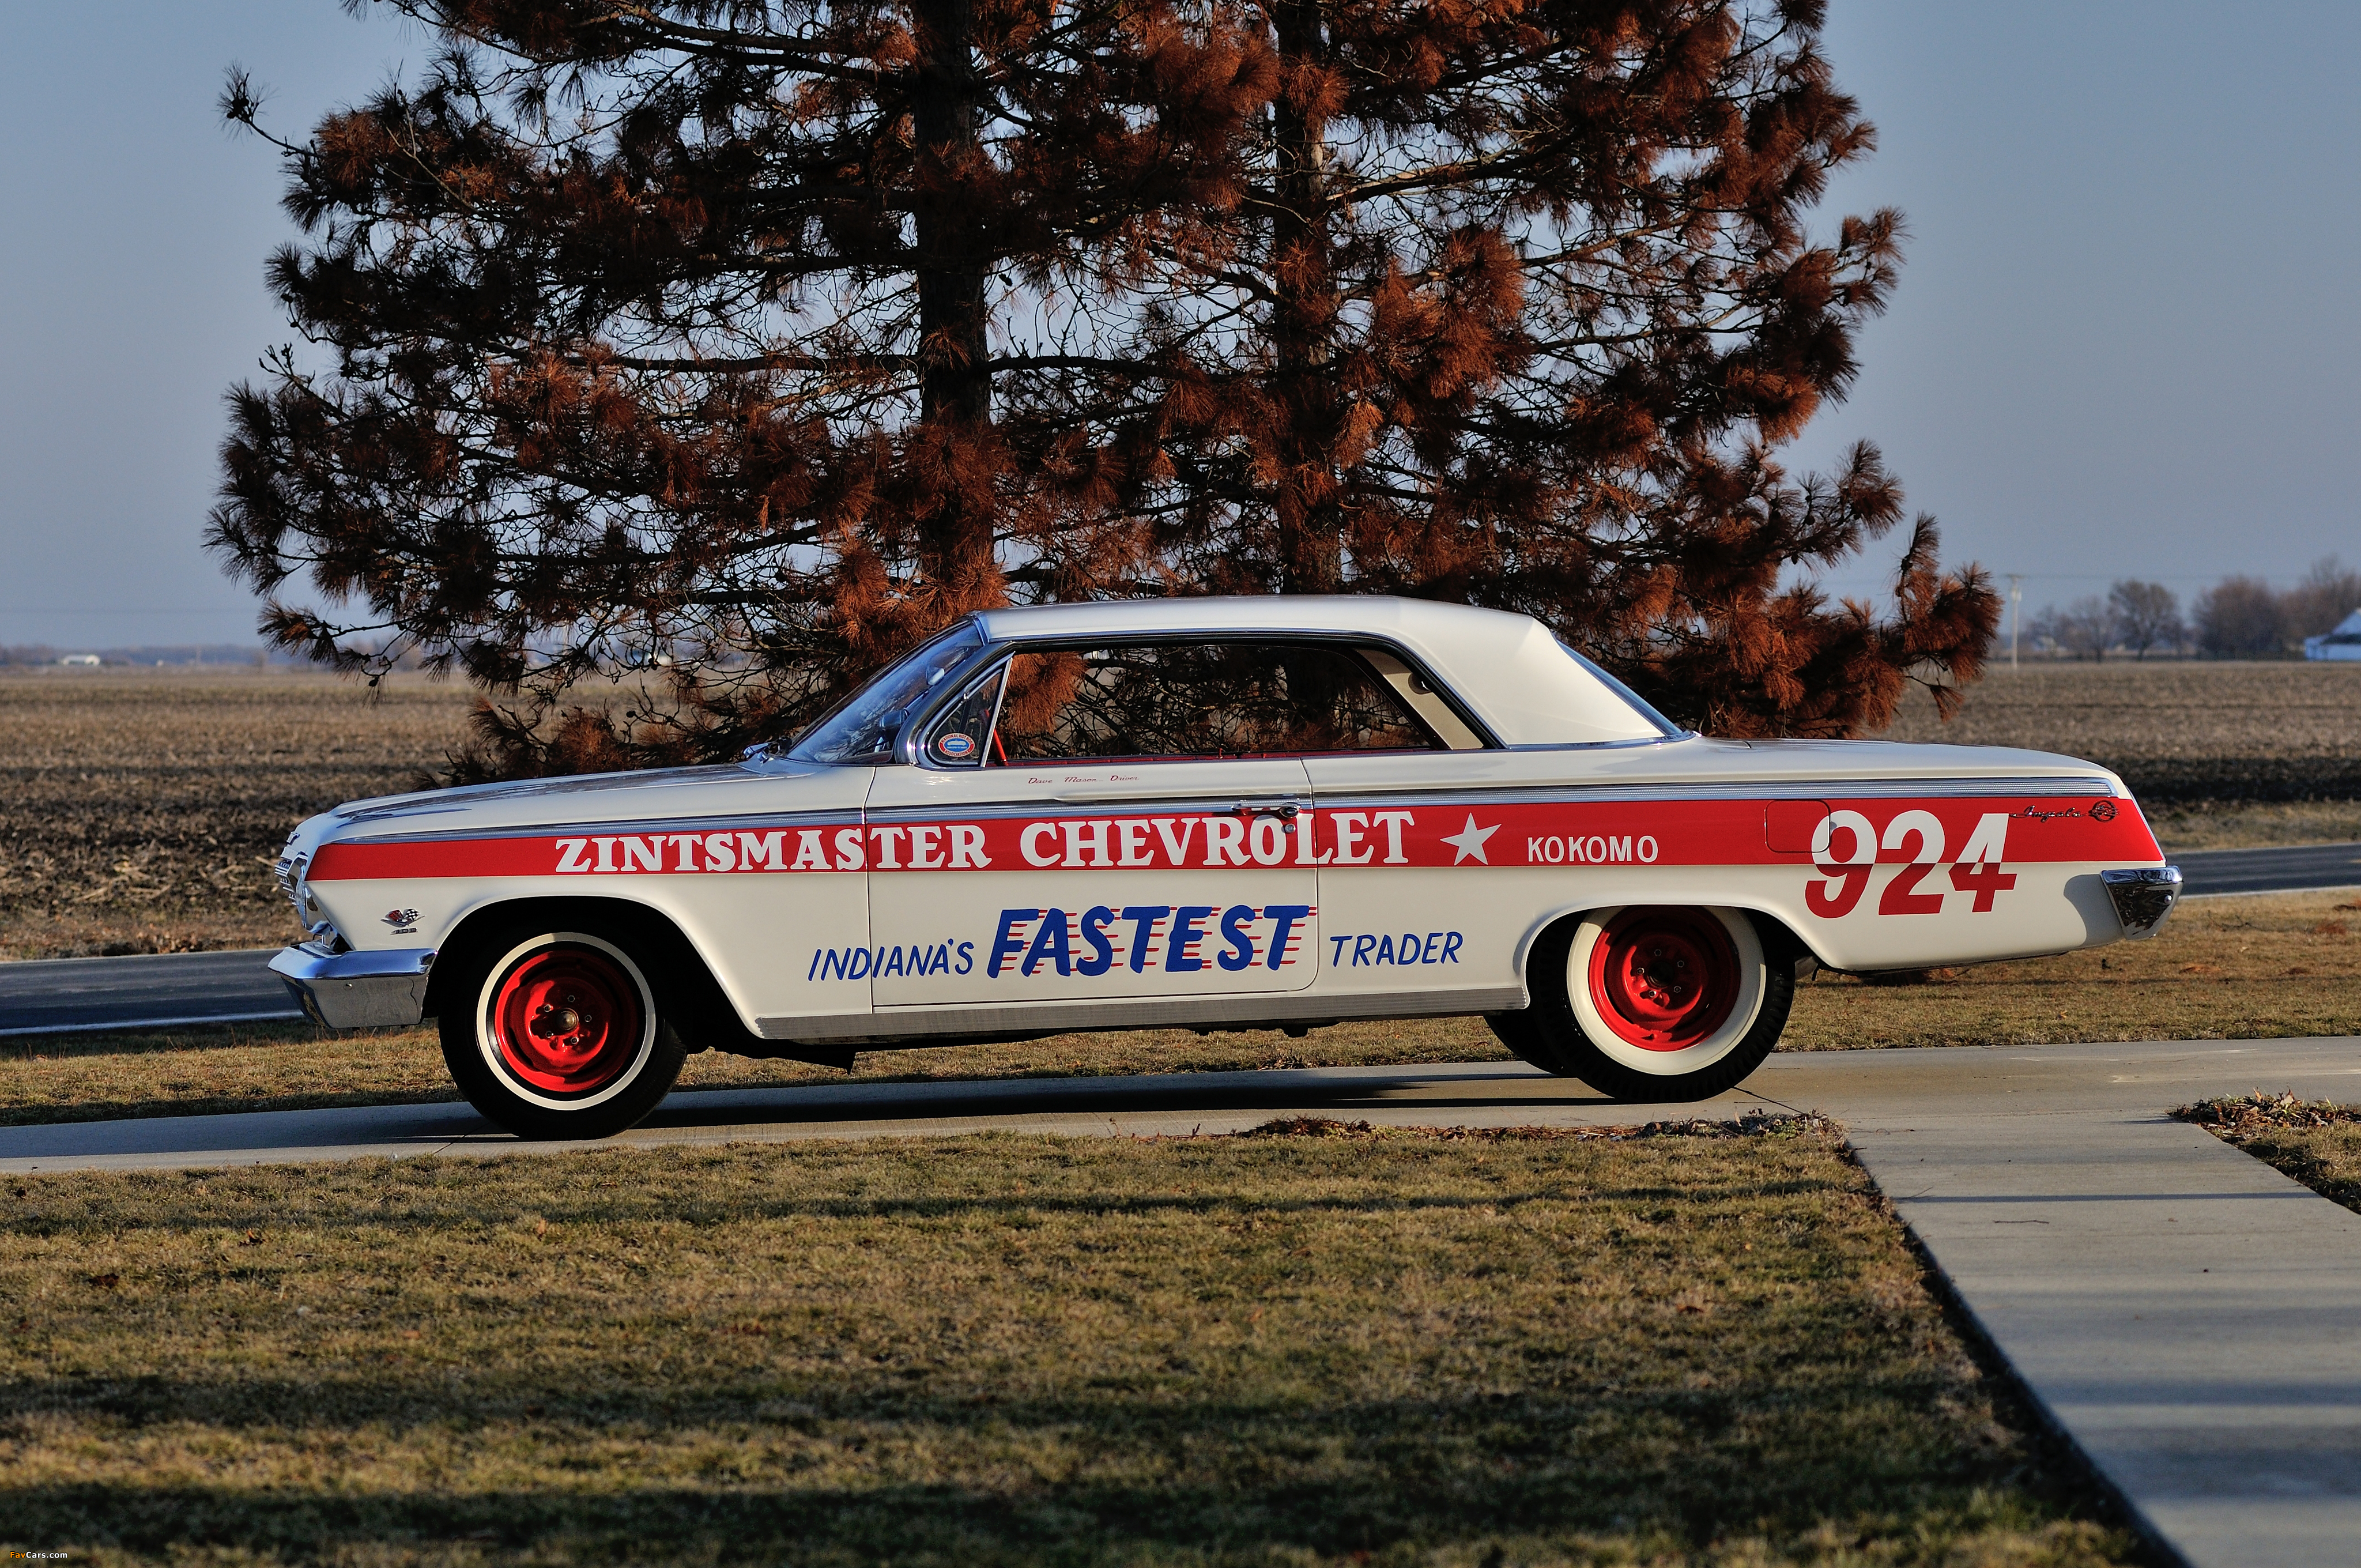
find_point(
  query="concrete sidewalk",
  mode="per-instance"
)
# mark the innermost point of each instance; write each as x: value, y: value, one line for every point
x: 2188, y: 1317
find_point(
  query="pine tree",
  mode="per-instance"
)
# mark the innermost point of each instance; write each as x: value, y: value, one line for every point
x: 763, y: 339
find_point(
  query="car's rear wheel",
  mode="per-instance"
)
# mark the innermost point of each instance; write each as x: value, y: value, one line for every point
x: 558, y: 1033
x: 1652, y: 1002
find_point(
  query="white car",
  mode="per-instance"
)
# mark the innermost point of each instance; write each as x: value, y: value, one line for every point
x: 1210, y: 813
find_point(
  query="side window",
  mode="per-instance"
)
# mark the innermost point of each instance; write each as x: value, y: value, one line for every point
x: 863, y: 727
x: 1197, y: 701
x: 961, y: 736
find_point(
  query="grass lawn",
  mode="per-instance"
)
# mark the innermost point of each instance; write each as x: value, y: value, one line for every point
x: 2271, y: 966
x: 1303, y: 1349
x: 2287, y: 964
x: 2317, y: 1143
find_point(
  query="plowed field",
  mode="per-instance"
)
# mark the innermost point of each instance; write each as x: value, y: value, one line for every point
x: 2177, y: 732
x: 141, y: 812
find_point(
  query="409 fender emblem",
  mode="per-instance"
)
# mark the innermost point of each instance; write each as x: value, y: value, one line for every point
x: 401, y: 916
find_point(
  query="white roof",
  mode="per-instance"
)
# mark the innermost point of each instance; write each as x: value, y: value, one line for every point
x: 1507, y: 667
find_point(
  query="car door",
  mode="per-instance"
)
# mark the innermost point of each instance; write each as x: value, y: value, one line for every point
x: 1097, y: 822
x: 1409, y: 905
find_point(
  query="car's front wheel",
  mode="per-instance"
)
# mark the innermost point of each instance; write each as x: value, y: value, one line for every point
x: 557, y: 1033
x: 1652, y: 1001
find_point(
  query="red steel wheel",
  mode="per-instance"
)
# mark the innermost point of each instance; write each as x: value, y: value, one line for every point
x: 1649, y: 1003
x: 1664, y: 979
x: 568, y: 1020
x: 562, y: 1033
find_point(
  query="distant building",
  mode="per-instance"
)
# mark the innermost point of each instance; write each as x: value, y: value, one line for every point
x: 93, y: 657
x: 2345, y: 643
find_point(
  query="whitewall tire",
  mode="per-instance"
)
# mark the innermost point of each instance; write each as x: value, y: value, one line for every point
x: 558, y: 1033
x: 1652, y: 1002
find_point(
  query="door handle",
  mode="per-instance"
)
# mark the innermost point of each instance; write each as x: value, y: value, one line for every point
x: 1286, y: 811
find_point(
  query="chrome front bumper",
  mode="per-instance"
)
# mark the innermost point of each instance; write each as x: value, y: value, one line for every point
x: 356, y: 991
x: 2143, y: 897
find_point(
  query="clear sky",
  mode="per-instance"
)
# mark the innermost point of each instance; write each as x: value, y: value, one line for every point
x: 2126, y: 340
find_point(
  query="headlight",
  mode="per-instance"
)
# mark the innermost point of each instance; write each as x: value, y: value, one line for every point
x: 289, y: 871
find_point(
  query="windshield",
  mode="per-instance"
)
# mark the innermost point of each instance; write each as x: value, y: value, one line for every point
x: 862, y: 728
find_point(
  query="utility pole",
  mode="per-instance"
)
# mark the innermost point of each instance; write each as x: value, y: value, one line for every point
x: 2015, y: 597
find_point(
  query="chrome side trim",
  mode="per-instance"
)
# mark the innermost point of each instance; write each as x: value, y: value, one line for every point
x: 1446, y: 797
x: 1528, y: 747
x: 1196, y: 804
x: 1135, y: 1013
x: 2143, y: 897
x: 356, y: 991
x: 847, y: 816
x: 1816, y: 789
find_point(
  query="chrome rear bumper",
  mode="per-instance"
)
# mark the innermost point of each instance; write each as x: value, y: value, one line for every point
x: 2143, y: 897
x: 356, y: 991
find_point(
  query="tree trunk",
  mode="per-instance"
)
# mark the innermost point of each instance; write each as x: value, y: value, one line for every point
x: 955, y: 384
x: 1310, y: 521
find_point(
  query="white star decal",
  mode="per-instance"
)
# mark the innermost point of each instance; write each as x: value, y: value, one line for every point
x: 1469, y: 840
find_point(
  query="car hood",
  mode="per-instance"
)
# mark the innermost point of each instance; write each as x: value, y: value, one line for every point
x: 561, y: 793
x: 762, y: 789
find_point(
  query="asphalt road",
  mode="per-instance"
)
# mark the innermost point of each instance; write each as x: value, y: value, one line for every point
x: 59, y: 996
x: 76, y: 995
x: 2293, y: 869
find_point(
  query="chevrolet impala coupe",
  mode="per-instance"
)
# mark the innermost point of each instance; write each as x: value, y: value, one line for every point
x: 1206, y: 814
